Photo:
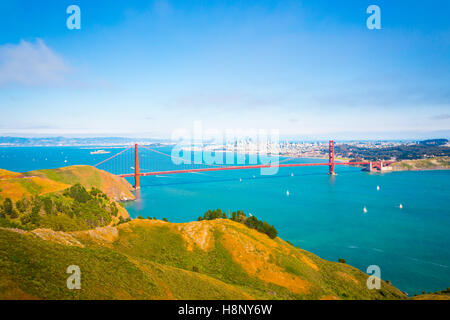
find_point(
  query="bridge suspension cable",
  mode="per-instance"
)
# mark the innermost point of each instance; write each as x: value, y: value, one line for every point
x: 137, y: 161
x: 112, y: 157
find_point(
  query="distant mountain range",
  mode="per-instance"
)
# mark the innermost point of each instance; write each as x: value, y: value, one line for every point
x: 119, y: 141
x: 68, y: 141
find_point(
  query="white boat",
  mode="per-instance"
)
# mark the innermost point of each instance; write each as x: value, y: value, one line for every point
x: 365, y: 210
x: 292, y: 174
x: 99, y: 152
x: 287, y: 193
x: 400, y: 206
x: 378, y: 188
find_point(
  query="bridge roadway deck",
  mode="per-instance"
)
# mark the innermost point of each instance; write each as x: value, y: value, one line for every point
x: 259, y: 166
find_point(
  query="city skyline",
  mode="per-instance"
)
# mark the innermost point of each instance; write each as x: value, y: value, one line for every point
x: 146, y: 69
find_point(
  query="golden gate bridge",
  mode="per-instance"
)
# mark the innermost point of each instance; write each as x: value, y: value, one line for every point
x: 138, y: 159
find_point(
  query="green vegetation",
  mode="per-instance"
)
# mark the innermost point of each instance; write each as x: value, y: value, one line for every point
x: 72, y: 209
x: 71, y: 175
x: 422, y: 164
x: 153, y: 260
x: 220, y: 257
x: 89, y: 177
x: 239, y: 216
x: 123, y: 220
x: 439, y: 295
x: 8, y: 210
x: 420, y: 150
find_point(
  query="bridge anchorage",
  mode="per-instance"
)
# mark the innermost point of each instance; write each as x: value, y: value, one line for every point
x: 148, y: 166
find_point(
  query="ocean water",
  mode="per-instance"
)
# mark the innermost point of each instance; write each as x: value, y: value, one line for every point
x: 321, y: 214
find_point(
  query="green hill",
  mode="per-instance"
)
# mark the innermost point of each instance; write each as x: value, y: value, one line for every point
x: 437, y: 163
x: 17, y: 185
x: 64, y: 199
x: 150, y: 259
x: 115, y: 187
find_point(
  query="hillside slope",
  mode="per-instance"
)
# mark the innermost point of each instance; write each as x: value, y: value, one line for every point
x: 64, y: 199
x: 113, y: 186
x: 442, y: 295
x: 150, y: 259
x: 438, y: 163
x: 17, y: 185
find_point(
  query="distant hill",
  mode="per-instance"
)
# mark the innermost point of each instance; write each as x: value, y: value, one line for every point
x: 434, y: 142
x: 438, y: 163
x: 74, y: 141
x: 150, y: 259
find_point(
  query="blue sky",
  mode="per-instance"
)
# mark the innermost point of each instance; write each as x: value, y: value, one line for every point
x: 147, y: 68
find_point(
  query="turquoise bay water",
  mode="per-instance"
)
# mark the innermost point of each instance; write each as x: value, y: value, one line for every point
x: 322, y: 214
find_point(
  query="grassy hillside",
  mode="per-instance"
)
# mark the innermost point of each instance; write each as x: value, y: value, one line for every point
x: 65, y: 199
x: 150, y: 259
x: 73, y: 209
x: 114, y: 187
x: 423, y: 164
x: 5, y: 174
x: 17, y: 185
x: 440, y: 295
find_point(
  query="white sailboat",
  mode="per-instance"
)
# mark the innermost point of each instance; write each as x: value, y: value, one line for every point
x: 365, y: 210
x: 400, y: 206
x: 378, y: 188
x: 287, y: 193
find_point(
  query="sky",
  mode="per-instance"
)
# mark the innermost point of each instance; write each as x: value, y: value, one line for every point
x: 310, y: 69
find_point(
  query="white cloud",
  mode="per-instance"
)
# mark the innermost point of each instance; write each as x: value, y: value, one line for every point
x: 31, y: 64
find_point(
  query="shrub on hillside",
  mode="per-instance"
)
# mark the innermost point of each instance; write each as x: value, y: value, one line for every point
x: 73, y: 209
x: 23, y: 205
x: 212, y: 214
x: 78, y: 193
x: 48, y: 205
x: 8, y: 209
x: 7, y: 206
x: 239, y: 216
x: 113, y: 209
x: 122, y: 220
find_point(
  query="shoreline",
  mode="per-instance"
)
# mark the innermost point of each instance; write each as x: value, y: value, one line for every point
x: 424, y: 169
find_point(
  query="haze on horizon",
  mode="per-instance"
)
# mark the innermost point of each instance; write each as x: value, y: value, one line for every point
x: 310, y: 69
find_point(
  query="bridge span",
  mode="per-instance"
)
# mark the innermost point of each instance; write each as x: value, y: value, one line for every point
x: 330, y: 164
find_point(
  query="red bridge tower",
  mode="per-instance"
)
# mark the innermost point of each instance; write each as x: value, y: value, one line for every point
x: 331, y: 157
x: 136, y: 167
